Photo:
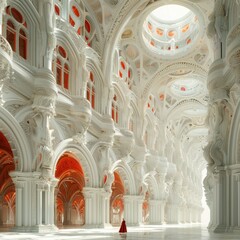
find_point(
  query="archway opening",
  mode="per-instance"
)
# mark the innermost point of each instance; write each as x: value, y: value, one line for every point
x: 117, y: 201
x: 7, y: 188
x: 70, y: 203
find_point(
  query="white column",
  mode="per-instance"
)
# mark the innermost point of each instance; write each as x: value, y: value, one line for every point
x: 39, y: 206
x: 96, y: 207
x: 172, y: 213
x: 133, y: 209
x: 239, y: 201
x: 219, y: 224
x: 53, y: 204
x: 29, y: 199
x: 156, y: 211
x: 3, y: 4
x: 19, y: 209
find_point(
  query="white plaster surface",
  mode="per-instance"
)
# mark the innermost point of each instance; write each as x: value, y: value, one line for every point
x: 168, y: 232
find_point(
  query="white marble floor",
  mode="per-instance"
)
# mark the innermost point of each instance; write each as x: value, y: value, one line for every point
x: 165, y: 232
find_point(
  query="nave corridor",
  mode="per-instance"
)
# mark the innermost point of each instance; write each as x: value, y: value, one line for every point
x: 150, y: 232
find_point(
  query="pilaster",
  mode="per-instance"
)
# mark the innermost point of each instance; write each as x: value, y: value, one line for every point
x: 97, y: 209
x: 156, y: 212
x: 133, y: 209
x: 34, y: 203
x: 219, y: 198
x: 3, y: 4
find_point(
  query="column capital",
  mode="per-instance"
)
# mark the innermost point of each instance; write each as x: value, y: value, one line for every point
x: 130, y: 198
x: 88, y: 192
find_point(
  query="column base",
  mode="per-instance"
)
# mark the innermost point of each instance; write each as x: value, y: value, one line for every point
x: 219, y: 229
x: 88, y: 226
x: 35, y: 229
x: 235, y: 230
x: 156, y: 223
x: 132, y: 224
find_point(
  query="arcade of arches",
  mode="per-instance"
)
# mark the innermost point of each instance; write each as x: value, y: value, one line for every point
x: 112, y: 109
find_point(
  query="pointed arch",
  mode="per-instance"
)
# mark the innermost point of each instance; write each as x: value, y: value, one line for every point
x: 17, y: 140
x: 83, y: 156
x: 150, y: 180
x: 127, y: 176
x: 94, y: 68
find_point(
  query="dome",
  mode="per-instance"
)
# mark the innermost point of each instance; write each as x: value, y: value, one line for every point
x: 186, y: 87
x: 170, y: 30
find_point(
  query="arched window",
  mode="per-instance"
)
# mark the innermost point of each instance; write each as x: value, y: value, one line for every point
x: 91, y: 90
x: 58, y: 7
x: 76, y: 18
x: 22, y: 44
x: 81, y: 22
x: 115, y: 109
x: 11, y: 35
x: 89, y: 31
x: 61, y: 67
x: 125, y: 72
x: 151, y: 103
x: 16, y: 31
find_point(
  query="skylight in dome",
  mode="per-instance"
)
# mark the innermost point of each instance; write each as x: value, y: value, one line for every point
x: 170, y: 13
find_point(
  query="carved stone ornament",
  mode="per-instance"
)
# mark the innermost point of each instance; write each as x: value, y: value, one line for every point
x: 44, y: 104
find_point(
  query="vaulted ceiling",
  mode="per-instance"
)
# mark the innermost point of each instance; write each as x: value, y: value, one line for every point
x: 172, y: 69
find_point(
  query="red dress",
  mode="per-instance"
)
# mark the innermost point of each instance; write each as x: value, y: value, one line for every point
x: 123, y: 228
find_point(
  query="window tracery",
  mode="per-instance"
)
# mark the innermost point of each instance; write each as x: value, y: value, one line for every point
x: 16, y: 31
x: 61, y: 67
x: 125, y: 72
x: 151, y: 103
x: 91, y: 89
x: 81, y: 22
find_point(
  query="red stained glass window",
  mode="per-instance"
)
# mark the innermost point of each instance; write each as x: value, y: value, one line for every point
x: 59, y: 72
x: 22, y: 44
x: 66, y: 76
x: 16, y: 31
x: 17, y: 15
x: 57, y: 10
x: 91, y: 90
x: 79, y: 31
x: 11, y: 35
x: 123, y: 65
x: 75, y: 11
x: 71, y: 21
x: 120, y: 74
x: 62, y: 52
x: 87, y: 26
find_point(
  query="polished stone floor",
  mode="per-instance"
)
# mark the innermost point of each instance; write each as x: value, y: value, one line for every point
x: 168, y: 232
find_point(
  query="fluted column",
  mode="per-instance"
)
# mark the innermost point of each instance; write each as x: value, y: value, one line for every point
x: 3, y: 4
x: 133, y: 209
x: 34, y: 203
x: 96, y: 207
x: 156, y: 212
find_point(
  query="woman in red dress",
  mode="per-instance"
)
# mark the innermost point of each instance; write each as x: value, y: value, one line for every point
x: 123, y: 228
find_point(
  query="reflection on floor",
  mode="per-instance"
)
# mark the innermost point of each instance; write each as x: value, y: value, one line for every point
x: 165, y: 232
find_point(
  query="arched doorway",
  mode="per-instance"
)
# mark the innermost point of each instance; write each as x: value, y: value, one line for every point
x: 7, y: 188
x: 117, y: 201
x: 70, y: 208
